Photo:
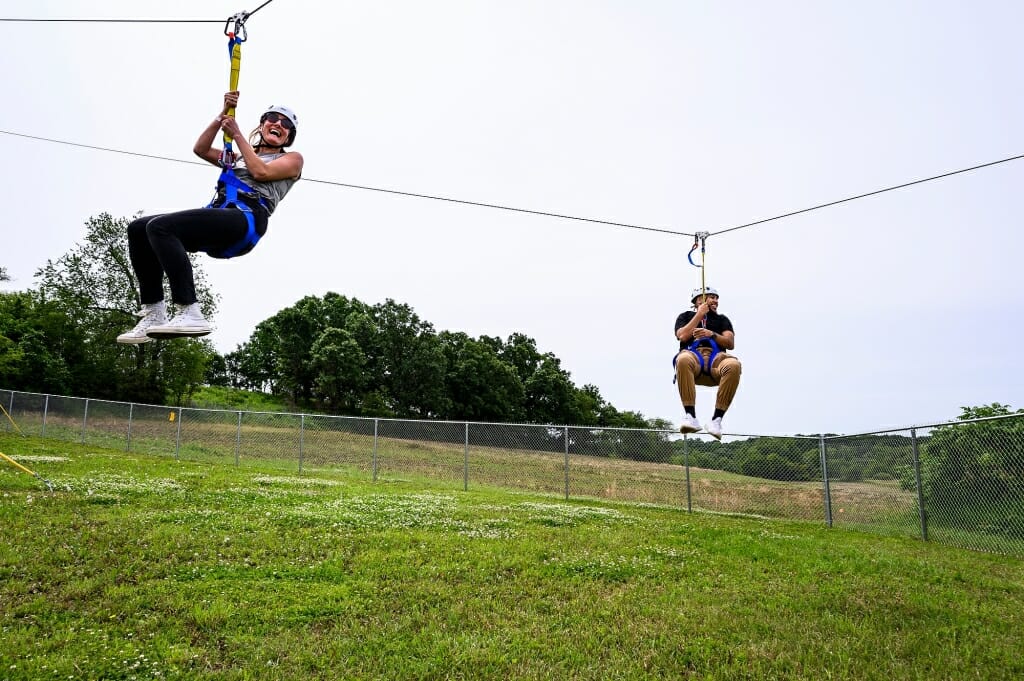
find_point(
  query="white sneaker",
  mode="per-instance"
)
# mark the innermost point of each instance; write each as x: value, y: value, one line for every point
x: 714, y: 428
x: 152, y: 315
x: 189, y: 322
x: 690, y: 424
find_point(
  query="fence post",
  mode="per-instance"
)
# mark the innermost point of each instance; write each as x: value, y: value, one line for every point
x: 85, y: 419
x: 465, y: 462
x: 238, y: 437
x: 566, y: 462
x: 46, y: 411
x: 917, y: 482
x: 131, y: 411
x: 824, y: 478
x: 10, y: 410
x: 375, y: 422
x: 302, y: 437
x: 177, y: 436
x: 686, y: 465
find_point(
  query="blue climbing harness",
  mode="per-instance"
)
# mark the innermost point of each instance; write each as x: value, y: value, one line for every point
x: 705, y: 364
x: 232, y: 185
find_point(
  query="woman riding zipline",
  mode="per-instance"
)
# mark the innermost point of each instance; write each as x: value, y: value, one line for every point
x: 248, y: 191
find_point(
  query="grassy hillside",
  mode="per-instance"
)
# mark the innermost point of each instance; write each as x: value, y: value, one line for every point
x: 143, y: 567
x: 213, y: 397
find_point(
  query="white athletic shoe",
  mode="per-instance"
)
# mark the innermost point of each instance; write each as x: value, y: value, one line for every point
x: 714, y: 428
x: 152, y: 315
x: 690, y: 424
x: 189, y: 322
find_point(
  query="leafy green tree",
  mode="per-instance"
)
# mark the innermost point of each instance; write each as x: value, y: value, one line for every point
x: 94, y: 287
x: 595, y: 410
x: 278, y: 357
x: 40, y: 349
x: 184, y: 364
x: 338, y: 362
x: 409, y: 361
x: 384, y: 360
x: 551, y: 395
x: 980, y: 463
x: 294, y: 331
x: 520, y: 352
x: 401, y: 362
x: 217, y: 371
x: 252, y: 364
x: 478, y: 384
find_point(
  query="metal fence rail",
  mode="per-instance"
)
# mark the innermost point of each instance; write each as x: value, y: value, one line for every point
x: 959, y: 483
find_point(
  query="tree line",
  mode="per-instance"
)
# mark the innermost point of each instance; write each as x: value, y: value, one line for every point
x: 972, y: 474
x: 329, y: 353
x: 343, y: 356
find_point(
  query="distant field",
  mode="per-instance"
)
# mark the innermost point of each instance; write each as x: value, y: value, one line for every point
x: 139, y: 566
x: 437, y: 452
x: 211, y: 436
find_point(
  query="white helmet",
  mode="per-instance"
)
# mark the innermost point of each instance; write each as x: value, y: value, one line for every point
x: 287, y: 113
x: 698, y: 292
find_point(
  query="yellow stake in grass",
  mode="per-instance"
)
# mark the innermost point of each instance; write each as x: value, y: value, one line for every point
x: 11, y: 420
x: 15, y: 463
x: 19, y: 466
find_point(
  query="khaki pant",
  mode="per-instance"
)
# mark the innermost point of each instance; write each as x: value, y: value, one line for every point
x: 725, y: 373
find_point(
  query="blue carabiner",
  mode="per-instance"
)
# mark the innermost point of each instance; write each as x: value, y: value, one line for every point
x: 689, y: 256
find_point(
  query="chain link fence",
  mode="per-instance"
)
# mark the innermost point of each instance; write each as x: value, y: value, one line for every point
x: 959, y: 483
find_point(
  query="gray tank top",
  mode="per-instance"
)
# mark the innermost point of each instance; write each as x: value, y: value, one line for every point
x: 272, y: 192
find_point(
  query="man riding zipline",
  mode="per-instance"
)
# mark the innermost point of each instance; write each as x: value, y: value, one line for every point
x: 704, y: 337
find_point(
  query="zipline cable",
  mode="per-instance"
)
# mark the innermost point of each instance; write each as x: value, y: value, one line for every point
x: 360, y: 186
x: 865, y: 195
x: 702, y: 236
x: 96, y: 148
x: 118, y: 21
x: 498, y: 207
x: 545, y: 213
x: 72, y: 20
x: 249, y: 14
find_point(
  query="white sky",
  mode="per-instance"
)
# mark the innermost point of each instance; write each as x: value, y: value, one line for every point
x: 889, y: 311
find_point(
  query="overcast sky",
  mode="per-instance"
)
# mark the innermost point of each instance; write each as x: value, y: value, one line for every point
x: 888, y: 311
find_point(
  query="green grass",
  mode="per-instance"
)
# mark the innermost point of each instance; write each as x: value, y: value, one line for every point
x: 214, y: 397
x: 143, y: 567
x: 330, y: 444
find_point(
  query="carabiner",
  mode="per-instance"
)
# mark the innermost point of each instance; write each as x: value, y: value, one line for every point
x: 238, y: 32
x: 698, y: 240
x: 689, y: 256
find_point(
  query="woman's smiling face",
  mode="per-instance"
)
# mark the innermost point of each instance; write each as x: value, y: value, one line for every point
x: 276, y: 128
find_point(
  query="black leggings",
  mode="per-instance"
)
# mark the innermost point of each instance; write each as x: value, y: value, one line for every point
x: 159, y: 244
